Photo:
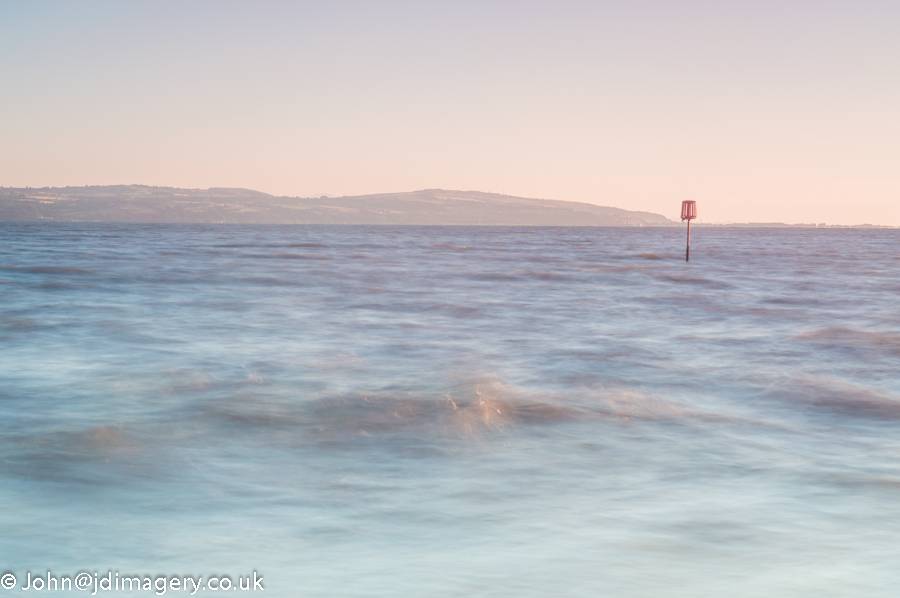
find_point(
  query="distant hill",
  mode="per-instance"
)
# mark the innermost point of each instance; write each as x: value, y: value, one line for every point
x: 140, y: 203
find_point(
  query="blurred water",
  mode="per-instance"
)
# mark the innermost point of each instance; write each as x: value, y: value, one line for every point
x: 407, y: 411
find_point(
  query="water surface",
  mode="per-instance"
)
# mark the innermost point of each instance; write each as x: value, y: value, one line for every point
x: 406, y: 411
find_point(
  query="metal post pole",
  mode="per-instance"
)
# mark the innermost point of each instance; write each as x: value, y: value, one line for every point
x: 687, y: 247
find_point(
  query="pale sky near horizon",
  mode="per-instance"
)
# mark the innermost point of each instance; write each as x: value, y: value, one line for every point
x: 760, y: 111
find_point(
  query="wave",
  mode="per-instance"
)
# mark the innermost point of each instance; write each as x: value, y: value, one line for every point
x: 46, y: 269
x: 463, y: 415
x: 520, y: 275
x: 304, y: 245
x: 288, y: 256
x: 485, y: 407
x: 696, y: 281
x: 473, y: 409
x: 837, y: 396
x: 72, y: 455
x: 451, y: 247
x: 839, y: 336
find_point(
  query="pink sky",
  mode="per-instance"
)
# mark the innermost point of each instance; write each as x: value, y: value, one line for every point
x: 758, y: 111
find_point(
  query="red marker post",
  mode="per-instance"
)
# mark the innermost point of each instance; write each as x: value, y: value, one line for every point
x: 688, y: 212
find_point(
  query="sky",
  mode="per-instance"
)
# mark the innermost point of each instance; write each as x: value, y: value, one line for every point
x: 760, y: 111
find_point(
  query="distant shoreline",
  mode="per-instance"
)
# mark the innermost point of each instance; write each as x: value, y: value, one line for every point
x: 143, y: 204
x: 864, y: 227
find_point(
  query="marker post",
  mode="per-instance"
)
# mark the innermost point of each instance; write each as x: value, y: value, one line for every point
x: 688, y: 212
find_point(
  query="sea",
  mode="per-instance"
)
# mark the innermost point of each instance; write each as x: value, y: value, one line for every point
x: 382, y: 411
